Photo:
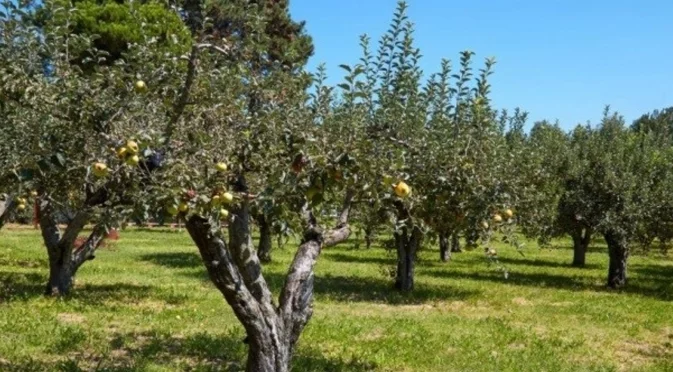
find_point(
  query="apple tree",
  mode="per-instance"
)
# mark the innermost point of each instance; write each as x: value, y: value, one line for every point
x: 83, y: 142
x: 431, y: 157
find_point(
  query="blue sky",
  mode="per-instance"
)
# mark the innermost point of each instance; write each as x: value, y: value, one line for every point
x: 557, y: 59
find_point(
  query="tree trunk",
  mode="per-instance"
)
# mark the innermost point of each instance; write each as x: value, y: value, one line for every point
x: 444, y: 249
x: 369, y: 235
x: 264, y: 248
x: 272, y: 331
x: 407, y: 244
x: 581, y: 239
x: 455, y: 243
x: 268, y: 358
x: 60, y: 277
x: 64, y: 259
x: 579, y: 254
x: 6, y: 209
x: 618, y: 253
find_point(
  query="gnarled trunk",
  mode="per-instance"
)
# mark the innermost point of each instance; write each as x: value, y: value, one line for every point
x: 264, y: 248
x: 581, y: 240
x: 235, y: 269
x: 444, y: 249
x: 64, y: 259
x: 618, y: 253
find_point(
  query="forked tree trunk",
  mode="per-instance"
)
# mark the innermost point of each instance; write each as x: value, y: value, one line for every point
x: 618, y: 253
x: 581, y: 239
x: 455, y: 243
x: 64, y: 259
x: 6, y: 208
x: 264, y: 248
x: 444, y: 248
x: 235, y: 269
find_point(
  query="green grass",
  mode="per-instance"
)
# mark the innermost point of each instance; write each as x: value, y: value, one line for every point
x: 146, y: 304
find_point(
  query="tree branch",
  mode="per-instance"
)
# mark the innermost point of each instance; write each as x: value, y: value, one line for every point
x: 74, y: 228
x: 221, y: 50
x: 50, y: 233
x: 86, y: 250
x: 224, y: 272
x: 183, y: 97
x: 245, y: 256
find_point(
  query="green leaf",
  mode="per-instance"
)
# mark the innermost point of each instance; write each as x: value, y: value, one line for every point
x: 58, y: 159
x: 346, y: 67
x: 344, y: 86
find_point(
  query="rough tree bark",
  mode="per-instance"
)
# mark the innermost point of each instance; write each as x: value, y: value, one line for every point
x: 272, y: 330
x: 6, y: 209
x: 581, y: 239
x: 618, y: 252
x: 407, y: 241
x: 264, y: 248
x: 64, y: 258
x: 455, y: 243
x: 444, y: 248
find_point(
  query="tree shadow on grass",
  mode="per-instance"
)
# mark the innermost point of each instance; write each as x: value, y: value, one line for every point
x: 647, y: 287
x: 15, y: 286
x: 658, y: 272
x: 595, y: 247
x: 330, y: 287
x: 369, y: 260
x: 177, y: 260
x: 522, y: 261
x: 350, y: 258
x: 379, y: 290
x: 20, y: 286
x: 196, y: 352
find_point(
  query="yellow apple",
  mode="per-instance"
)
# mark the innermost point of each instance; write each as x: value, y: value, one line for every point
x: 121, y: 153
x: 100, y: 170
x: 509, y: 213
x: 183, y: 207
x: 402, y: 189
x: 172, y: 210
x: 227, y: 197
x: 484, y: 225
x: 21, y: 207
x: 133, y: 160
x: 221, y: 167
x: 33, y: 193
x: 224, y: 213
x: 140, y: 86
x: 132, y: 147
x: 497, y: 218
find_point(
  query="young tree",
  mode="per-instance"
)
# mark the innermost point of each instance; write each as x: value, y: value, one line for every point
x: 439, y: 147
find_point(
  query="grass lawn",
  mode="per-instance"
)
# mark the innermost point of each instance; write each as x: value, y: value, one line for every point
x: 145, y: 304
